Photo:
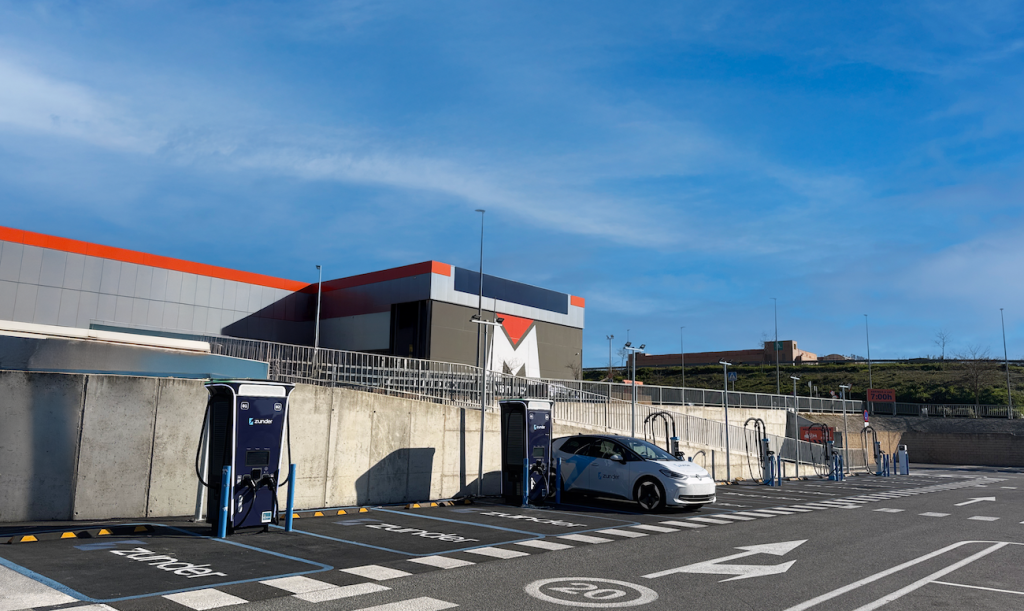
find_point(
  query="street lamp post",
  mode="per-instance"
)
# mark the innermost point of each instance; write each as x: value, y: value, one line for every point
x: 682, y: 364
x: 867, y: 338
x: 796, y: 423
x: 611, y: 378
x: 778, y: 378
x: 484, y: 371
x: 632, y: 407
x: 725, y: 402
x: 846, y: 433
x: 319, y: 285
x: 1006, y: 363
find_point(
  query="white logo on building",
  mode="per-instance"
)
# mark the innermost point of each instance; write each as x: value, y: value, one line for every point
x: 522, y: 359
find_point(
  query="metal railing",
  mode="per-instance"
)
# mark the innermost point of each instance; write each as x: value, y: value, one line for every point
x: 956, y: 410
x: 598, y: 405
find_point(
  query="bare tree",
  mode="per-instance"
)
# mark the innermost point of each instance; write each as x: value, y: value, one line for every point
x: 941, y: 339
x: 976, y: 367
x: 576, y: 369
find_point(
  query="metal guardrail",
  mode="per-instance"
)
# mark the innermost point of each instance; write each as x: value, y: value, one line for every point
x: 598, y: 405
x: 954, y: 410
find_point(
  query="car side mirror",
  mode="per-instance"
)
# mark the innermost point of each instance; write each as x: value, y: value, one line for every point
x: 617, y: 458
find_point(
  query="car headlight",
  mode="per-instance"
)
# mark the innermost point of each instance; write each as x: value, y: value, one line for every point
x: 673, y: 474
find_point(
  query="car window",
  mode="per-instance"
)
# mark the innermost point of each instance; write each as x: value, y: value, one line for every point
x: 649, y: 451
x: 574, y: 443
x: 603, y: 448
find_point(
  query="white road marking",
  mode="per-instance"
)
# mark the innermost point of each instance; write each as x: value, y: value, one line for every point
x: 689, y: 525
x: 298, y: 584
x: 717, y: 566
x: 209, y: 598
x: 585, y: 538
x: 872, y: 578
x: 798, y: 509
x: 710, y: 521
x: 655, y: 529
x: 758, y: 514
x: 932, y: 514
x: 890, y: 510
x: 778, y: 512
x: 591, y: 588
x: 548, y: 545
x: 976, y: 500
x: 93, y: 608
x: 983, y: 518
x: 964, y: 585
x: 442, y: 562
x: 375, y: 572
x: 413, y: 604
x: 20, y: 592
x: 1006, y: 488
x: 496, y: 552
x: 336, y: 592
x: 732, y: 516
x: 881, y: 602
x: 622, y: 533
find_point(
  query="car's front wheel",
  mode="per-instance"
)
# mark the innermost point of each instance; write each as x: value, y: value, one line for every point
x: 649, y: 494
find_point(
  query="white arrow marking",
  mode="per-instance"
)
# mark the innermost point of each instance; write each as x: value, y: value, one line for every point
x: 977, y: 500
x: 741, y: 571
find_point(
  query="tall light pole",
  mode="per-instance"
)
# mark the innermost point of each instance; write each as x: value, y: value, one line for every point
x: 725, y: 402
x: 632, y: 407
x: 319, y: 285
x: 867, y: 338
x: 483, y: 398
x: 611, y: 378
x: 480, y: 297
x: 1006, y: 363
x: 682, y: 363
x: 796, y: 423
x: 778, y: 378
x: 846, y: 433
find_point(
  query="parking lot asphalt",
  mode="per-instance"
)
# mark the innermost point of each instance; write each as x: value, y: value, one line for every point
x: 940, y: 538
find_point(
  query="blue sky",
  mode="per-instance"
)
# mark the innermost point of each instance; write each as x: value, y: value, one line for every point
x: 674, y: 163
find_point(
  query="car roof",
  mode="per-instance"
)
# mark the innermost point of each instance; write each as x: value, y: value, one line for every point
x: 596, y: 435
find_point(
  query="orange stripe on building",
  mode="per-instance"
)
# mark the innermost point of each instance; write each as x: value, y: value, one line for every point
x: 579, y: 302
x: 40, y: 240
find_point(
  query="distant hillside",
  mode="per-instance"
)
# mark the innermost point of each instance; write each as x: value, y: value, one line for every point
x: 982, y: 382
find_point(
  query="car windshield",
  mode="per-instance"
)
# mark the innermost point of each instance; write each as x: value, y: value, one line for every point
x: 648, y: 451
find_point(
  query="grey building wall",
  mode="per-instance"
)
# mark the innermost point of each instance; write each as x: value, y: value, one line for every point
x: 53, y: 287
x: 453, y: 339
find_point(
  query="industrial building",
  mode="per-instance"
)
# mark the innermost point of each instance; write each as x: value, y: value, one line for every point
x: 422, y: 310
x: 787, y: 351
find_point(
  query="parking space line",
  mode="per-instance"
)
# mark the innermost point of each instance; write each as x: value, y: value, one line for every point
x: 209, y: 598
x: 964, y: 585
x: 655, y: 529
x: 709, y: 520
x: 983, y: 518
x: 19, y: 591
x: 548, y: 545
x: 496, y: 552
x: 587, y: 538
x: 932, y: 514
x: 375, y: 572
x: 442, y: 562
x: 413, y: 604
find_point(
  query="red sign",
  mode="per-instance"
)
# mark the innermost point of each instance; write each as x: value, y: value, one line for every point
x: 881, y: 395
x: 814, y: 434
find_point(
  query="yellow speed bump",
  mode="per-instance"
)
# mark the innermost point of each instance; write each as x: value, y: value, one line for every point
x: 363, y: 510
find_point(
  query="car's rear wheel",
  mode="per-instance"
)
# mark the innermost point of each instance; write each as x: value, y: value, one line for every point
x: 649, y: 495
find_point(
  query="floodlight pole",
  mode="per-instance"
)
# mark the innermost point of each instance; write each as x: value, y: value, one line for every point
x: 1006, y: 363
x: 867, y: 338
x: 796, y: 423
x: 485, y: 370
x: 611, y: 378
x: 725, y: 402
x: 846, y: 431
x: 319, y: 286
x: 682, y: 365
x: 778, y: 377
x: 632, y: 405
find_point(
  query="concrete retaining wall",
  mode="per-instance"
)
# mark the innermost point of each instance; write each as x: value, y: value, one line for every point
x: 90, y: 447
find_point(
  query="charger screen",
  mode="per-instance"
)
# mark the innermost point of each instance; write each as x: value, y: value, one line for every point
x: 257, y: 459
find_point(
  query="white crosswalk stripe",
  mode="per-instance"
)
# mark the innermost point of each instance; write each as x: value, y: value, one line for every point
x: 585, y: 538
x: 732, y: 516
x: 655, y: 529
x: 684, y: 524
x: 622, y: 533
x: 338, y: 592
x: 208, y: 598
x: 375, y: 572
x: 548, y: 545
x: 413, y: 604
x: 442, y: 562
x: 20, y: 592
x: 496, y: 552
x: 889, y: 510
x: 758, y: 514
x: 983, y: 518
x: 709, y: 521
x: 931, y: 514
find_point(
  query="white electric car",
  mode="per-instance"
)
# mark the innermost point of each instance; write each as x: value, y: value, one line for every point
x: 630, y: 468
